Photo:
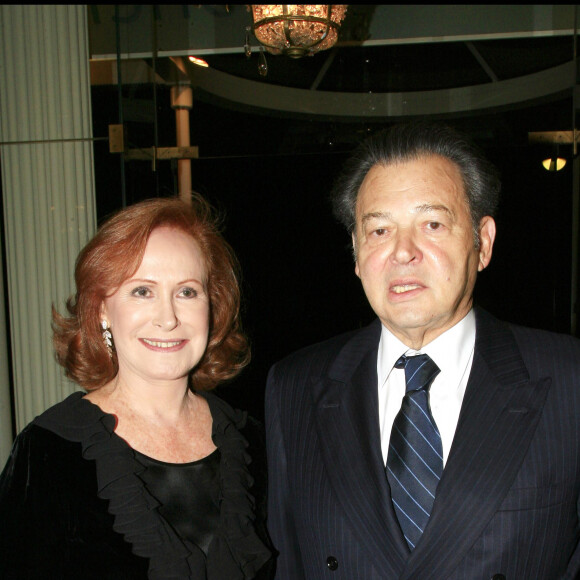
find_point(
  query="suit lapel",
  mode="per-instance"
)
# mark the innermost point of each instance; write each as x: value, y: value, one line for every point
x: 348, y: 427
x: 498, y: 417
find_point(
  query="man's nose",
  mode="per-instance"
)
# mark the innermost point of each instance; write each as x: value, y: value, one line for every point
x: 405, y: 248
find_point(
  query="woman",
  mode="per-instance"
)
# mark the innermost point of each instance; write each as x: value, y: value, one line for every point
x: 144, y: 475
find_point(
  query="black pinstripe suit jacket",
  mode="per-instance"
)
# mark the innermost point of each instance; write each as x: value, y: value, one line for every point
x: 508, y: 501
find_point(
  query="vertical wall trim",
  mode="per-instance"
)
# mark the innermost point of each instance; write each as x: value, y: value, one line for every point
x: 5, y: 410
x: 48, y: 183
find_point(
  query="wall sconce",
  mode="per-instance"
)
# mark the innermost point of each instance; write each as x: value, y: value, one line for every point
x: 554, y: 163
x: 555, y: 138
x: 297, y: 30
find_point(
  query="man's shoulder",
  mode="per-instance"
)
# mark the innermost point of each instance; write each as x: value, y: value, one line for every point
x: 546, y: 344
x: 535, y: 335
x: 486, y: 320
x: 536, y: 346
x: 317, y: 358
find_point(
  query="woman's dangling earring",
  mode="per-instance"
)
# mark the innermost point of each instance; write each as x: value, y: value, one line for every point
x: 107, y: 337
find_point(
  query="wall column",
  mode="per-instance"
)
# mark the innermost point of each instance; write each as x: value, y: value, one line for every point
x: 48, y: 184
x: 5, y: 413
x: 182, y: 102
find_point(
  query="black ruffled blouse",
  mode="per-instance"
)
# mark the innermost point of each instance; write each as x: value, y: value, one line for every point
x: 73, y: 505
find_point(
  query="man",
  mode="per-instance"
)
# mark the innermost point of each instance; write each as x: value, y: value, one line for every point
x: 380, y: 469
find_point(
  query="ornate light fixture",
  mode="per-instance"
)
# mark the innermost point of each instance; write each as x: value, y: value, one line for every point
x: 297, y: 30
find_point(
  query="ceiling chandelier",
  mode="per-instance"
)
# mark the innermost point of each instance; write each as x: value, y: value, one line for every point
x: 297, y: 30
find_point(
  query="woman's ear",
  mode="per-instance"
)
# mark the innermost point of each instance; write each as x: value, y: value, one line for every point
x: 103, y: 315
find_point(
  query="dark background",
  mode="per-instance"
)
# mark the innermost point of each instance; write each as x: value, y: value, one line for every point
x: 271, y: 184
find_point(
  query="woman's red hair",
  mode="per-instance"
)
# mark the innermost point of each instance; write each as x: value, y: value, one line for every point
x: 114, y: 255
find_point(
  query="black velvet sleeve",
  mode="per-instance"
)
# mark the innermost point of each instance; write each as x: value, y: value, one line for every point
x: 52, y: 524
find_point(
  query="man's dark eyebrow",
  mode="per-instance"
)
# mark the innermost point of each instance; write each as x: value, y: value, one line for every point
x: 376, y: 215
x: 423, y: 208
x: 428, y: 207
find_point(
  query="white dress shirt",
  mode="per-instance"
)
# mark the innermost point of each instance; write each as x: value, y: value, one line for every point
x: 452, y: 352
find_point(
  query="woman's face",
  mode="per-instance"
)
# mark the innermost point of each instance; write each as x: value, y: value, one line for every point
x: 159, y: 317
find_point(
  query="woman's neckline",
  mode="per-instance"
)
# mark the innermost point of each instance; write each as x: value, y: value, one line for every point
x: 138, y: 454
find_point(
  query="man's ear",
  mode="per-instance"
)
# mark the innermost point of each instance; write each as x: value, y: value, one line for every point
x: 354, y: 253
x: 486, y: 240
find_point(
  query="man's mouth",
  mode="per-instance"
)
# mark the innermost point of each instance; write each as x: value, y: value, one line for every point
x: 400, y: 288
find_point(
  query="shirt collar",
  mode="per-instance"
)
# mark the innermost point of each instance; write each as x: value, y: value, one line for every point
x: 451, y: 351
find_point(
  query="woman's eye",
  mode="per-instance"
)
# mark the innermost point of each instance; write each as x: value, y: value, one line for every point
x: 142, y: 292
x: 380, y: 232
x: 433, y: 225
x: 189, y: 292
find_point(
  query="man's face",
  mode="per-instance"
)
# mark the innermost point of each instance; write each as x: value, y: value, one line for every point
x: 415, y: 247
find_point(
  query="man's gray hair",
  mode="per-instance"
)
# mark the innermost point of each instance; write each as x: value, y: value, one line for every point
x: 411, y: 141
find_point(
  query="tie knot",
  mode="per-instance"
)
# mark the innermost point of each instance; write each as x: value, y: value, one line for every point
x: 420, y: 371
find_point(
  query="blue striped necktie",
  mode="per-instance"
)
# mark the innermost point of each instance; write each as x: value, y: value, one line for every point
x: 415, y: 458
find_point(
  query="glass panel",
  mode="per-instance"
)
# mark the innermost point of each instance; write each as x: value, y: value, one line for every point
x: 271, y: 171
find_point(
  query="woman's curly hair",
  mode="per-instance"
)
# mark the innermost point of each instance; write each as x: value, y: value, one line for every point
x: 114, y: 255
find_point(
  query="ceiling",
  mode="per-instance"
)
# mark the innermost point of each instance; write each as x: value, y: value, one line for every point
x: 271, y: 146
x: 512, y: 65
x: 404, y: 67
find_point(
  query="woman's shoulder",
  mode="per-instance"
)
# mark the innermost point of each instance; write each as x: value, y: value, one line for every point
x: 226, y: 416
x: 54, y: 428
x: 36, y: 448
x: 54, y: 438
x: 222, y: 411
x: 251, y: 429
x: 75, y: 418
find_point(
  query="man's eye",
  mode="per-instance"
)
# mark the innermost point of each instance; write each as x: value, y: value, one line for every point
x: 434, y: 225
x: 380, y: 232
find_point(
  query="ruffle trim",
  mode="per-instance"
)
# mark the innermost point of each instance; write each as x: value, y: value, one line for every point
x: 135, y: 511
x: 237, y: 507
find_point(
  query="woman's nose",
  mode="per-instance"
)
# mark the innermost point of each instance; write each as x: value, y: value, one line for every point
x: 166, y: 316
